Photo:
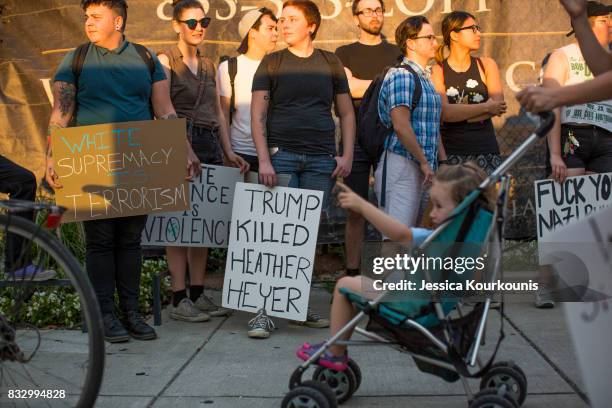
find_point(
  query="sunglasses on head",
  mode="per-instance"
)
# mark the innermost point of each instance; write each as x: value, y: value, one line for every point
x: 192, y: 23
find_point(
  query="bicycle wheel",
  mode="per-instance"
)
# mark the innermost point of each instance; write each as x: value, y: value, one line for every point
x: 48, y: 365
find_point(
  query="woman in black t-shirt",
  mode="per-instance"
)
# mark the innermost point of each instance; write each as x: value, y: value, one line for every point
x: 293, y: 92
x: 291, y: 120
x: 471, y: 93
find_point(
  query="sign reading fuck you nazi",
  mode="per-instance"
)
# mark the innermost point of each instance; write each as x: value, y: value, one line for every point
x: 272, y: 243
x: 121, y: 169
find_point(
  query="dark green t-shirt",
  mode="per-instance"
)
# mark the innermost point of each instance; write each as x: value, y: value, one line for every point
x: 114, y: 85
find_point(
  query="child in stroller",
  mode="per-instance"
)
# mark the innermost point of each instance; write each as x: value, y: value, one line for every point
x: 450, y: 186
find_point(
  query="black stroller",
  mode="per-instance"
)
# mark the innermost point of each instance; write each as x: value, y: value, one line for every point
x: 443, y: 338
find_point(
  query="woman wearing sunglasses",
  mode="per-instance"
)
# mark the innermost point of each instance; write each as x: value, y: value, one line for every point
x: 194, y: 96
x: 471, y: 93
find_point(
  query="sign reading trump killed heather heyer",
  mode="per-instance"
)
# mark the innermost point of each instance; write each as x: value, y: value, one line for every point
x: 121, y: 169
x: 272, y: 244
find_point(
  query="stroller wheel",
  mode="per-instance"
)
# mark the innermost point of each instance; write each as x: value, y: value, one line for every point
x: 310, y: 394
x: 357, y: 371
x: 514, y: 381
x: 491, y: 400
x: 499, y: 393
x: 512, y: 365
x: 342, y: 383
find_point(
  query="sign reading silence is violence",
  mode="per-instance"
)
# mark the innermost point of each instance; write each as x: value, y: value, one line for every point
x: 121, y: 169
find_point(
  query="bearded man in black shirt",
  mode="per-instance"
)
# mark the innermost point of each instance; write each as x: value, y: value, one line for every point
x: 362, y: 61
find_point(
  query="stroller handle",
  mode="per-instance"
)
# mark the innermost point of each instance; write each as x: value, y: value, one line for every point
x: 548, y: 120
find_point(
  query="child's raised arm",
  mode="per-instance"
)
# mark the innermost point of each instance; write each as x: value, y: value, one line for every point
x: 389, y: 226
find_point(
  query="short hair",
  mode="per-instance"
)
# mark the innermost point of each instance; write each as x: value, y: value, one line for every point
x: 118, y: 6
x: 310, y: 11
x: 244, y: 46
x: 409, y: 28
x: 356, y: 4
x: 181, y: 5
x: 264, y: 12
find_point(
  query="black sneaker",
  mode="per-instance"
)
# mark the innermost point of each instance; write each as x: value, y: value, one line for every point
x: 114, y: 332
x: 136, y: 326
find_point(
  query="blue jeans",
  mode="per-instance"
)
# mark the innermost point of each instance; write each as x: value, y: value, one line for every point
x: 308, y: 171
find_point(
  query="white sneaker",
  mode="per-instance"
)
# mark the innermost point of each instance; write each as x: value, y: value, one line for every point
x: 206, y: 305
x: 313, y: 320
x: 187, y: 312
x: 260, y: 326
x: 543, y: 298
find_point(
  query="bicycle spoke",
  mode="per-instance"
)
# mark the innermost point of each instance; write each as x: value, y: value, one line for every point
x: 49, y: 358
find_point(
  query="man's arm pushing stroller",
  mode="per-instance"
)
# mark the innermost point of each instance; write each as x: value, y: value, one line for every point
x: 443, y: 339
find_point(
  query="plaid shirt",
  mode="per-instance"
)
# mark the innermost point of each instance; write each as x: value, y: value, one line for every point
x: 396, y: 90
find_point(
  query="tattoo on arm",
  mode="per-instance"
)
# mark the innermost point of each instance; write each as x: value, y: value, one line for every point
x: 169, y: 116
x: 52, y: 126
x: 67, y: 94
x: 263, y: 119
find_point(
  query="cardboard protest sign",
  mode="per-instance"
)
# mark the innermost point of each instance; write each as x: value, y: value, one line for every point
x: 271, y: 252
x: 207, y: 222
x: 121, y: 169
x: 562, y: 204
x: 584, y: 248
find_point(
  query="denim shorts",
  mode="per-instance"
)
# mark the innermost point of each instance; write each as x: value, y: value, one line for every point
x: 205, y: 144
x: 308, y: 171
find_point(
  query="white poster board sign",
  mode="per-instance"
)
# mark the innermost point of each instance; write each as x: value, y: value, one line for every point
x: 271, y: 251
x: 558, y: 205
x: 584, y: 248
x: 207, y: 222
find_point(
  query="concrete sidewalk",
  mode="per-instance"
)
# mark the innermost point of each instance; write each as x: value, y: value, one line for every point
x: 214, y: 364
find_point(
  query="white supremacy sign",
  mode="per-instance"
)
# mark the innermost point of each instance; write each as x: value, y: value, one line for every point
x: 271, y: 251
x: 561, y: 204
x: 207, y: 222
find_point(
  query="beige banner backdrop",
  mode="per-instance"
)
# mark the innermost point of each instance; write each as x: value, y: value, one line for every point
x: 36, y: 34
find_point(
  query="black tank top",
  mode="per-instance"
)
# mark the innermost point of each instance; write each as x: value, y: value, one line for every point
x: 467, y: 138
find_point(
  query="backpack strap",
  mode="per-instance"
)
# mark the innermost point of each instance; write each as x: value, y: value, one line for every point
x: 416, y: 98
x: 417, y: 92
x: 78, y: 61
x: 327, y: 56
x: 273, y: 66
x: 232, y: 68
x: 146, y: 56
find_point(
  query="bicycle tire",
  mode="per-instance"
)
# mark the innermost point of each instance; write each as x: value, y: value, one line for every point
x: 89, y: 306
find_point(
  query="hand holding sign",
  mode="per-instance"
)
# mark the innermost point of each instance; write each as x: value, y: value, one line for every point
x: 50, y: 176
x: 271, y: 252
x: 194, y: 167
x: 235, y: 160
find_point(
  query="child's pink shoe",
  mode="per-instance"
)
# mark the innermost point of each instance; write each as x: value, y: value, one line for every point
x: 327, y: 360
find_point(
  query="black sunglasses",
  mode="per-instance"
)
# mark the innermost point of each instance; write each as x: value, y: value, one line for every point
x: 192, y: 23
x: 473, y: 27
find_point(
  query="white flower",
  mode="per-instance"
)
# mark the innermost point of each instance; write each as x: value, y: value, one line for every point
x: 478, y: 98
x: 471, y: 83
x: 452, y: 92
